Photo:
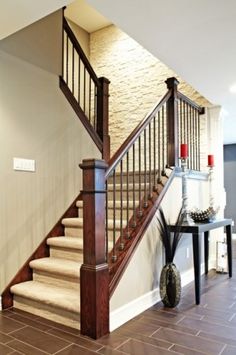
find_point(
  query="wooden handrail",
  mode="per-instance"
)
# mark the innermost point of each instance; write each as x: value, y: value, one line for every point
x: 80, y: 51
x: 200, y: 109
x: 134, y: 135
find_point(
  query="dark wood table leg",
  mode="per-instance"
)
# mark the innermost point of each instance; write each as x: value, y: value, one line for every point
x: 229, y: 247
x: 197, y: 265
x: 206, y: 250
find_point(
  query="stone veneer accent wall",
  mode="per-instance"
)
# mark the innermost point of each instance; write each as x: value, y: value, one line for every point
x: 137, y: 80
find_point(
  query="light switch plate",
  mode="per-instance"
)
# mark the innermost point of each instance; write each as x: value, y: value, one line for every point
x: 24, y: 164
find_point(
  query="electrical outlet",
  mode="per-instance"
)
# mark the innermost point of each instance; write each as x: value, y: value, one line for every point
x: 232, y: 223
x: 187, y: 253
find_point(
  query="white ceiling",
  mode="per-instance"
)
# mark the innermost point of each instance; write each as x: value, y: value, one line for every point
x: 196, y: 38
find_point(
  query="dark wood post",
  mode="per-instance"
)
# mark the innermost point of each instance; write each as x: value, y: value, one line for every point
x: 94, y: 273
x: 103, y: 117
x: 172, y: 123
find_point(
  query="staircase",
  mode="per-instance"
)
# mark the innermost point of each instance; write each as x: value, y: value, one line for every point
x: 54, y: 292
x: 70, y: 279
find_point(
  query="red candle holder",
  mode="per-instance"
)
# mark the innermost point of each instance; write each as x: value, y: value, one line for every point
x: 183, y: 151
x: 211, y: 161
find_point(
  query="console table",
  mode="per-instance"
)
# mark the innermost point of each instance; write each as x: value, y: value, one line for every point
x: 197, y: 229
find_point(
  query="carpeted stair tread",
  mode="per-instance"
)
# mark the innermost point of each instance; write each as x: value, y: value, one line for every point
x: 57, y: 266
x: 64, y: 298
x: 77, y: 222
x: 66, y: 242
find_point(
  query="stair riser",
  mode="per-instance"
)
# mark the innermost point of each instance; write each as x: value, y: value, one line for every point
x: 69, y: 254
x: 50, y: 312
x: 110, y: 213
x: 56, y: 280
x: 78, y: 232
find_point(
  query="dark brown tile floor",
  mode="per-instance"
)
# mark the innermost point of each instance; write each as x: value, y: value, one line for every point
x: 209, y: 328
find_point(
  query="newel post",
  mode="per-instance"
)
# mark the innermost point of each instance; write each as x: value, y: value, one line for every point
x: 94, y: 273
x: 172, y: 122
x: 103, y: 116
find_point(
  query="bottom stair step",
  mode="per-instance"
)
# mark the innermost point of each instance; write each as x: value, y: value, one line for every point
x: 61, y: 305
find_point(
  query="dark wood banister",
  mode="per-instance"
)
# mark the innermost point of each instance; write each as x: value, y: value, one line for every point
x: 134, y: 135
x: 200, y: 109
x: 80, y: 52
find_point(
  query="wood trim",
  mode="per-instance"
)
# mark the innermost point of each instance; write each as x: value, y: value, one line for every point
x: 200, y: 109
x: 134, y: 135
x: 172, y: 122
x: 80, y: 51
x: 103, y: 116
x: 42, y: 251
x: 118, y: 268
x: 83, y: 118
x: 94, y: 273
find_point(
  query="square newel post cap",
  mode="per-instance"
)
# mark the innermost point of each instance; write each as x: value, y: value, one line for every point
x: 172, y: 83
x: 93, y: 164
x: 102, y: 79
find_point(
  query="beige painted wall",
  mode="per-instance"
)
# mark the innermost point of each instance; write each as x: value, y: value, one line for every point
x: 38, y: 123
x: 39, y: 43
x: 137, y: 79
x: 82, y: 36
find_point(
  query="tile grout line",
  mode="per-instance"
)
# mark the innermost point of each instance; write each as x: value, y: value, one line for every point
x: 122, y: 343
x: 23, y: 342
x: 224, y: 347
x: 62, y: 349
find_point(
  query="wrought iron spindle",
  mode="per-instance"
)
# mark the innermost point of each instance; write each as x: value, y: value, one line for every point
x: 84, y: 88
x: 154, y: 155
x: 89, y: 100
x: 150, y: 161
x: 159, y: 147
x: 79, y: 79
x: 163, y: 141
x: 198, y: 120
x: 73, y: 70
x: 139, y: 175
x: 127, y: 195
x: 145, y: 203
x: 134, y: 211
x: 121, y: 206
x: 106, y: 231
x: 114, y: 256
x: 67, y: 58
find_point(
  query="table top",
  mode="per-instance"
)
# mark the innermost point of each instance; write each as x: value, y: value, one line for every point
x: 203, y: 227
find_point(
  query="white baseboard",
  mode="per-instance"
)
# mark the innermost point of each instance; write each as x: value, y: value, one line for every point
x: 0, y: 303
x: 130, y: 310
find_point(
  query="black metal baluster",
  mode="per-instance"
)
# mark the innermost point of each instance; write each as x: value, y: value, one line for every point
x: 134, y: 211
x: 95, y: 107
x: 145, y: 203
x: 139, y: 175
x: 150, y: 161
x: 67, y: 58
x: 190, y: 138
x: 154, y: 155
x: 84, y: 89
x: 159, y: 148
x: 79, y: 80
x: 163, y: 141
x: 114, y: 256
x: 198, y: 119
x: 121, y: 206
x: 73, y: 70
x: 107, y: 248
x: 90, y: 100
x: 127, y: 195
